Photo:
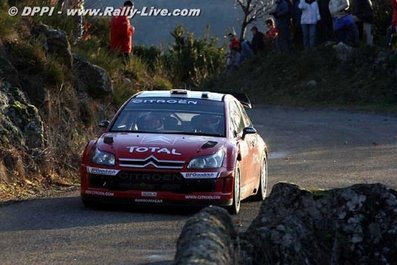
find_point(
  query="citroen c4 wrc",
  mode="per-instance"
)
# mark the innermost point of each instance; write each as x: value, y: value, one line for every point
x: 177, y: 147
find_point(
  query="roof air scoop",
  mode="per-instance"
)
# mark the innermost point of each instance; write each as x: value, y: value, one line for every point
x: 108, y: 140
x: 209, y: 144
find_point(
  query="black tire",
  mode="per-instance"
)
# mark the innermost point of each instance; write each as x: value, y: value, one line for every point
x: 263, y: 181
x: 235, y: 208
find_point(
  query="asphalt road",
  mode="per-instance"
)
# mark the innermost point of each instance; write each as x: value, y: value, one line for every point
x: 314, y: 149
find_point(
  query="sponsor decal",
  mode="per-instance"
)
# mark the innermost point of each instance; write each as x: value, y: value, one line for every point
x: 200, y: 175
x: 148, y: 194
x: 153, y: 149
x: 202, y: 197
x: 132, y: 176
x: 99, y: 193
x: 102, y: 171
x: 165, y: 101
x: 148, y: 200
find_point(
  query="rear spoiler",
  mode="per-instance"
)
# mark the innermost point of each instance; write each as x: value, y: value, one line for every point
x: 243, y: 98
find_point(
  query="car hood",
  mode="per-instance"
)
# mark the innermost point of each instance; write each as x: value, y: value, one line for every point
x: 160, y: 146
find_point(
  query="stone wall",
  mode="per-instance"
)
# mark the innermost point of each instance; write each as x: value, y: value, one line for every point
x: 353, y: 225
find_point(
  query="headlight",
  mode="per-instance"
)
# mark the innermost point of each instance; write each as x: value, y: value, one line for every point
x: 103, y: 158
x: 211, y: 161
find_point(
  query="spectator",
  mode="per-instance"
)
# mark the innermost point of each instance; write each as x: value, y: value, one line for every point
x: 246, y: 51
x: 364, y: 15
x: 234, y: 56
x: 234, y: 43
x: 257, y: 42
x: 271, y: 34
x: 310, y: 16
x: 344, y: 25
x: 324, y: 26
x: 297, y: 34
x: 281, y: 14
x: 122, y: 32
x: 392, y: 30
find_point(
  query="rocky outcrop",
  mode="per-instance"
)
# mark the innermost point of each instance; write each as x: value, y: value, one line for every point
x: 208, y: 238
x: 20, y: 122
x: 353, y: 225
x: 55, y: 42
x: 92, y: 78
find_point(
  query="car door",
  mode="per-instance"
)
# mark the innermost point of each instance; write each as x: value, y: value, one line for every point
x: 245, y: 156
x: 254, y: 146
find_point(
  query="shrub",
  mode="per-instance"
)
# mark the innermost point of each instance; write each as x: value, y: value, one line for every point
x: 194, y: 59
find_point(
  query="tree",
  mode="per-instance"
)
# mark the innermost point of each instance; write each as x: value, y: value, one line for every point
x: 252, y: 10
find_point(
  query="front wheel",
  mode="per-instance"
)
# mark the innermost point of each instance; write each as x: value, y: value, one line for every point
x: 235, y: 208
x: 263, y: 181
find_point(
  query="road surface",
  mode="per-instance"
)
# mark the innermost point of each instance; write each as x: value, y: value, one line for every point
x: 314, y: 149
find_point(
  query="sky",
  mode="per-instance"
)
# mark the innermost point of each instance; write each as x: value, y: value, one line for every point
x: 222, y: 16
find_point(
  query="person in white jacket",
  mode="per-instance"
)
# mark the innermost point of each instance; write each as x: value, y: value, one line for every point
x: 310, y: 17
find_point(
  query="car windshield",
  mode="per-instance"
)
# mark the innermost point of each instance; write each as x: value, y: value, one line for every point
x: 172, y: 116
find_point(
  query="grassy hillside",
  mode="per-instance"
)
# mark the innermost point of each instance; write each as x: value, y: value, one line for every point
x: 316, y: 78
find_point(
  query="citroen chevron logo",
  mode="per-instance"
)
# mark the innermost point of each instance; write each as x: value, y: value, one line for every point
x: 151, y: 160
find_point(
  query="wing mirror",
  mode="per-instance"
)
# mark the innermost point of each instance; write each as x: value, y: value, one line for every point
x: 248, y: 130
x: 104, y: 124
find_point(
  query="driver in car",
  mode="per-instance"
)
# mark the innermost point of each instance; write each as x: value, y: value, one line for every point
x: 211, y: 124
x: 153, y: 122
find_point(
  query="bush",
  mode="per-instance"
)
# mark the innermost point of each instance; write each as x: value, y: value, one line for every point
x: 193, y: 60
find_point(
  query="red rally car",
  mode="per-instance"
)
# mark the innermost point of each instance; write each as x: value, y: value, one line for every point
x: 177, y: 147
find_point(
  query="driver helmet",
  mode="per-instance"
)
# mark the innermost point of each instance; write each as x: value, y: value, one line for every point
x: 211, y: 123
x: 153, y: 122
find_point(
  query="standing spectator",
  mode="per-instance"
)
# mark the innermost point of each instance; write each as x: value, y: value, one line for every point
x: 122, y: 32
x: 310, y: 16
x: 297, y: 35
x: 324, y: 26
x: 257, y: 42
x: 393, y: 27
x: 363, y: 12
x: 233, y: 57
x: 345, y: 28
x: 281, y: 13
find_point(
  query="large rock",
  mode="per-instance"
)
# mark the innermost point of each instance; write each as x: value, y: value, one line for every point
x: 55, y: 42
x: 208, y: 238
x: 20, y: 122
x: 355, y: 225
x: 92, y: 79
x: 343, y: 51
x: 7, y: 70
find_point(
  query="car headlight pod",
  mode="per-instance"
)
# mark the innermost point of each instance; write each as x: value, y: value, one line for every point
x: 210, y: 161
x: 103, y: 158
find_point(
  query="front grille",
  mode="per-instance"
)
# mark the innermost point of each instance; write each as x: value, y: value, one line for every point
x: 151, y: 181
x: 151, y: 160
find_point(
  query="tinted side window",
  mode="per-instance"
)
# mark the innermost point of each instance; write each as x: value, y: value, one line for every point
x: 236, y: 117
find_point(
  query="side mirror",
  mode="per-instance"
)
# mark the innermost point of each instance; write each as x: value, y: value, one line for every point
x: 248, y: 130
x: 104, y: 124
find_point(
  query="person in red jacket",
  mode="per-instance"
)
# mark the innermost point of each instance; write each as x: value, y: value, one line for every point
x: 122, y: 32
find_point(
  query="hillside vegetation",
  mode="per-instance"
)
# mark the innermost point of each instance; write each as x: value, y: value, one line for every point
x: 367, y: 79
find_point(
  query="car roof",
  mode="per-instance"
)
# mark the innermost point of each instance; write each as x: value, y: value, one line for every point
x: 182, y: 93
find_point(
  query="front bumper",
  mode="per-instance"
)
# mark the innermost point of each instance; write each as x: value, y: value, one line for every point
x: 157, y: 188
